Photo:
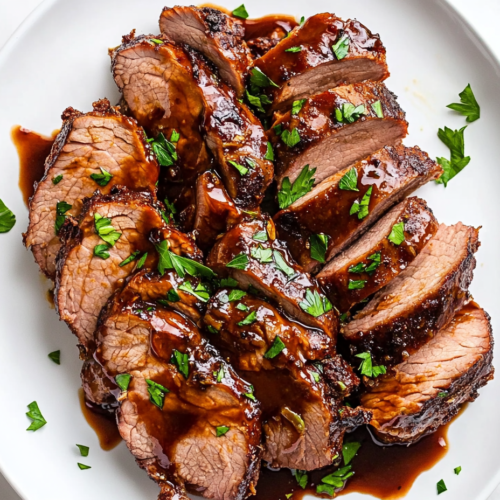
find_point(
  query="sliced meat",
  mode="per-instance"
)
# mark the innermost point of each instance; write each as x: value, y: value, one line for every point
x: 318, y: 65
x: 98, y: 388
x: 380, y: 180
x: 235, y: 137
x: 334, y: 129
x: 198, y: 429
x: 380, y: 255
x: 101, y: 143
x: 420, y: 301
x: 263, y: 262
x: 84, y: 280
x: 303, y: 428
x: 219, y: 37
x: 428, y: 389
x: 215, y: 210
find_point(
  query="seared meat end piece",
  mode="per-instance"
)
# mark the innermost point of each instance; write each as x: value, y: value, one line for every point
x: 420, y: 301
x: 265, y: 33
x: 235, y: 137
x: 303, y: 428
x: 359, y: 56
x: 93, y: 152
x: 428, y: 389
x: 251, y: 254
x: 196, y: 428
x: 215, y: 210
x: 219, y: 37
x: 99, y: 390
x: 377, y: 182
x: 380, y: 255
x: 336, y: 128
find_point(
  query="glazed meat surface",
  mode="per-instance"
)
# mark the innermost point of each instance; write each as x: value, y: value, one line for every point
x: 420, y: 301
x: 102, y: 143
x: 380, y: 255
x: 219, y: 37
x: 263, y: 263
x: 428, y: 389
x: 316, y: 67
x: 265, y: 33
x: 334, y: 129
x: 378, y: 182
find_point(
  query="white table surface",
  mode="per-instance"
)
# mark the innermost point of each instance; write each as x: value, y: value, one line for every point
x: 482, y: 15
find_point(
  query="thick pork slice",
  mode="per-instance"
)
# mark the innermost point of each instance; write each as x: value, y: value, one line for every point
x: 420, y: 301
x: 380, y: 255
x: 219, y: 37
x: 251, y: 254
x: 184, y: 413
x: 334, y: 129
x: 344, y: 206
x: 303, y: 414
x: 332, y: 52
x: 93, y: 152
x: 428, y: 389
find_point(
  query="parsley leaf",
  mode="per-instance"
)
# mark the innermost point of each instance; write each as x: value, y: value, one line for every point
x: 229, y: 282
x: 123, y: 380
x: 315, y: 304
x: 84, y: 450
x: 157, y: 393
x: 341, y: 47
x: 164, y: 149
x: 236, y: 295
x: 168, y: 215
x: 269, y: 153
x: 278, y: 129
x: 105, y: 230
x: 377, y: 108
x: 83, y: 466
x: 276, y: 347
x: 349, y: 451
x: 156, y: 40
x: 292, y: 138
x: 249, y: 394
x: 242, y: 307
x: 173, y: 296
x: 221, y: 430
x: 103, y: 178
x: 397, y: 235
x: 249, y: 319
x: 339, y: 477
x: 454, y: 139
x: 281, y: 264
x: 349, y: 181
x: 319, y: 245
x: 325, y: 488
x: 130, y: 258
x: 469, y: 106
x: 366, y: 367
x: 301, y: 478
x: 240, y: 12
x: 294, y: 49
x: 375, y: 258
x: 142, y: 260
x: 349, y: 113
x: 291, y: 193
x: 219, y: 374
x: 441, y: 487
x: 240, y: 168
x: 200, y: 292
x: 260, y: 79
x: 36, y: 416
x: 356, y: 284
x: 362, y: 208
x: 260, y: 236
x: 61, y: 208
x: 181, y: 361
x: 297, y: 106
x: 239, y: 262
x: 263, y: 255
x: 102, y: 251
x: 314, y: 375
x: 57, y: 179
x: 457, y: 470
x: 55, y: 357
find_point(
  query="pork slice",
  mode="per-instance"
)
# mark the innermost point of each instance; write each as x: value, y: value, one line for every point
x: 268, y: 267
x: 87, y: 143
x: 219, y: 37
x: 332, y: 137
x: 428, y: 389
x: 234, y: 136
x: 215, y: 210
x: 263, y: 34
x: 204, y: 433
x: 385, y: 178
x: 316, y: 67
x: 420, y: 301
x: 380, y: 255
x: 97, y: 387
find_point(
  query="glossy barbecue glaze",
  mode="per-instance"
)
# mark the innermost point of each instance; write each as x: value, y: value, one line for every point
x: 391, y: 173
x: 329, y: 144
x: 315, y: 68
x: 419, y: 224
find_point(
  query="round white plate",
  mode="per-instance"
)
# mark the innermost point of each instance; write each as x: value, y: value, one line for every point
x: 58, y: 58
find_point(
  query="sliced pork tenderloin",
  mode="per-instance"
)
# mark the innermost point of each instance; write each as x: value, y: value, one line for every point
x: 265, y: 33
x: 219, y: 37
x: 344, y: 206
x: 250, y: 253
x: 332, y: 52
x: 428, y: 389
x: 379, y: 255
x: 420, y: 301
x: 93, y: 152
x: 336, y: 128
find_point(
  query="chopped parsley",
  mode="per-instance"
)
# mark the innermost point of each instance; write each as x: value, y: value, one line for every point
x: 278, y: 129
x: 212, y: 329
x: 315, y: 304
x: 123, y: 381
x: 442, y: 394
x: 240, y: 168
x: 239, y: 262
x: 366, y: 367
x: 338, y: 478
x: 102, y: 251
x: 294, y: 49
x: 83, y: 466
x: 61, y: 208
x: 260, y: 236
x: 348, y: 113
x: 219, y: 374
x: 341, y: 47
x: 55, y: 357
x: 236, y: 295
x: 156, y: 40
x: 397, y: 235
x: 240, y: 12
x: 314, y: 375
x: 291, y: 193
x: 181, y: 361
x: 105, y: 230
x: 84, y: 450
x: 349, y: 181
x: 249, y: 319
x: 130, y: 258
x: 8, y: 219
x: 269, y: 153
x: 441, y: 487
x: 454, y: 139
x: 469, y: 106
x: 349, y: 451
x: 295, y: 419
x: 362, y: 208
x: 377, y: 109
x: 229, y: 282
x: 57, y: 179
x: 36, y: 416
x: 263, y: 255
x: 142, y: 261
x: 319, y: 245
x: 103, y: 178
x: 157, y: 393
x: 242, y: 307
x: 363, y: 268
x: 457, y: 470
x: 290, y: 139
x: 356, y: 284
x: 221, y: 430
x: 200, y: 292
x: 276, y: 347
x: 301, y: 478
x: 173, y: 296
x: 168, y: 214
x: 164, y: 149
x: 260, y: 79
x: 281, y: 264
x: 297, y: 106
x: 249, y: 394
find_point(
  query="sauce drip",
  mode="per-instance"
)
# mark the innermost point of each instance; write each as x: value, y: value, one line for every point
x: 104, y: 424
x: 32, y: 149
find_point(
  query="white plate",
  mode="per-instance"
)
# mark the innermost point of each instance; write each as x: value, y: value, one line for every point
x: 59, y: 58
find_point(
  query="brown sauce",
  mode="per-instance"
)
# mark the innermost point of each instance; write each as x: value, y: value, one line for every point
x: 265, y: 26
x: 50, y: 298
x: 104, y: 425
x: 32, y: 149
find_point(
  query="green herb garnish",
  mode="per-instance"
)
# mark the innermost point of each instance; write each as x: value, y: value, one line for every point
x: 259, y: 79
x: 469, y: 106
x: 249, y: 319
x: 156, y: 40
x: 457, y: 470
x: 341, y: 47
x: 103, y: 178
x: 377, y: 109
x: 292, y: 138
x: 397, y: 235
x: 263, y: 255
x: 242, y: 307
x: 236, y: 295
x: 105, y: 230
x: 240, y: 168
x: 297, y: 106
x: 229, y: 282
x: 260, y: 236
x: 102, y: 251
x: 164, y: 149
x: 83, y: 466
x: 157, y: 393
x: 249, y: 394
x: 294, y: 49
x: 269, y: 153
x: 349, y: 181
x: 366, y: 367
x: 356, y: 284
x: 221, y: 430
x: 181, y: 361
x: 173, y: 296
x: 130, y: 258
x: 362, y: 208
x: 84, y: 450
x: 57, y: 179
x: 454, y: 139
x: 239, y: 262
x: 349, y: 450
x: 338, y: 478
x: 55, y: 357
x: 291, y: 193
x: 36, y: 416
x: 281, y: 264
x: 301, y: 478
x: 240, y: 12
x: 61, y: 208
x: 123, y: 380
x: 219, y: 374
x: 319, y: 245
x: 315, y: 304
x: 441, y: 487
x: 200, y: 292
x: 276, y: 347
x: 348, y: 113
